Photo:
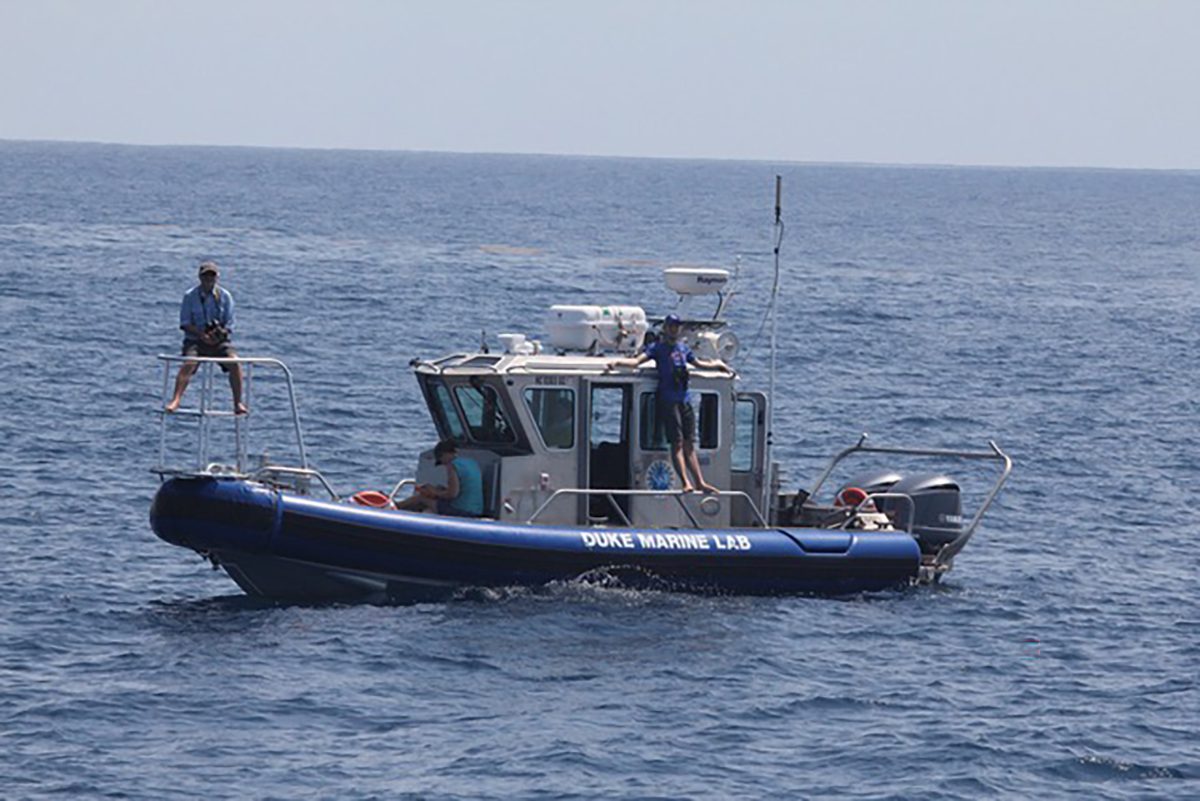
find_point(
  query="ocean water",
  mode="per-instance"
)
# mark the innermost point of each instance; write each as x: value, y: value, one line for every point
x: 1055, y: 311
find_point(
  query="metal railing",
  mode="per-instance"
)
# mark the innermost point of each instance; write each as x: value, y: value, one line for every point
x: 270, y: 472
x: 401, y: 484
x: 868, y: 505
x: 678, y: 495
x: 948, y: 551
x: 206, y: 412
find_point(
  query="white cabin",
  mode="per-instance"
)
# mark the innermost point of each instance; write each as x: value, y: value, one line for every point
x: 542, y: 417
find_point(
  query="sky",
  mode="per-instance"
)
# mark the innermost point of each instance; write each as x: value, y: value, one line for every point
x: 1088, y: 83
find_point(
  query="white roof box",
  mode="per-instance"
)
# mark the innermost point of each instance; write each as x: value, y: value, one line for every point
x: 596, y: 328
x: 696, y: 280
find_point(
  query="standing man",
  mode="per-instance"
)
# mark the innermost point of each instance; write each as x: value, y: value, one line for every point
x: 206, y: 317
x: 674, y: 406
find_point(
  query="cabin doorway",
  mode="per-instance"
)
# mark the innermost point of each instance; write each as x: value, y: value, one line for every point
x: 607, y: 420
x: 749, y: 455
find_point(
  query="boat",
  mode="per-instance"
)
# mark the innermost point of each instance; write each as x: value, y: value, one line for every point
x: 578, y: 484
x: 578, y: 481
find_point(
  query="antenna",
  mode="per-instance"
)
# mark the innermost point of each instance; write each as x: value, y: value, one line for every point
x: 778, y: 205
x: 767, y: 489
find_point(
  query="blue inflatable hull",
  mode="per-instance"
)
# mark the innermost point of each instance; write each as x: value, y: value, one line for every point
x: 283, y: 546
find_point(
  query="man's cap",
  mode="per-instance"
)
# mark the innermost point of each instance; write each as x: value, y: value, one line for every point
x: 672, y: 319
x: 208, y: 267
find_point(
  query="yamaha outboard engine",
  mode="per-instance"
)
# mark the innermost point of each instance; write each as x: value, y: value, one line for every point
x: 937, y: 508
x: 873, y: 482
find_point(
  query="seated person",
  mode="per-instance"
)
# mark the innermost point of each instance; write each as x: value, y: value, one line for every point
x: 460, y: 496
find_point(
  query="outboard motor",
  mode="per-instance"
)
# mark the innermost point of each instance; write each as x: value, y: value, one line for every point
x: 878, y: 481
x: 937, y: 503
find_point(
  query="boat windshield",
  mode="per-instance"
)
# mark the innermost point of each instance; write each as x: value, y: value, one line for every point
x: 484, y: 414
x: 446, y: 416
x: 471, y: 410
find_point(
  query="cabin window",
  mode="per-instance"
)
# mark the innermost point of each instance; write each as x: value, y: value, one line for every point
x: 744, y: 418
x: 484, y: 414
x: 443, y: 407
x: 653, y: 435
x: 553, y: 411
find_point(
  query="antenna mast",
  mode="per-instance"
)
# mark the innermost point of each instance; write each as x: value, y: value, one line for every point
x: 774, y: 305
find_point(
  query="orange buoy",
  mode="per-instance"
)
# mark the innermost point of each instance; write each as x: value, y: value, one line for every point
x: 850, y: 496
x: 372, y: 498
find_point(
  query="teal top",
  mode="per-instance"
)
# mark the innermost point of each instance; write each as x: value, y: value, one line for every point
x: 470, y: 487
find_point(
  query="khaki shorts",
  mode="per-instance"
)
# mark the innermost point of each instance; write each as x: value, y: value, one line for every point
x: 222, y: 351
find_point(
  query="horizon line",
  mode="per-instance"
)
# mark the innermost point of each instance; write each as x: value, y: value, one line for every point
x: 540, y: 154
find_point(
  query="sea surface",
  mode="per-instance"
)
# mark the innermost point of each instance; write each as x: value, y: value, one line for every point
x: 1054, y: 311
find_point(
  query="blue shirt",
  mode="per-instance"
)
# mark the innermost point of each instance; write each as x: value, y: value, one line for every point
x: 199, y: 308
x: 470, y: 487
x: 672, y: 359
